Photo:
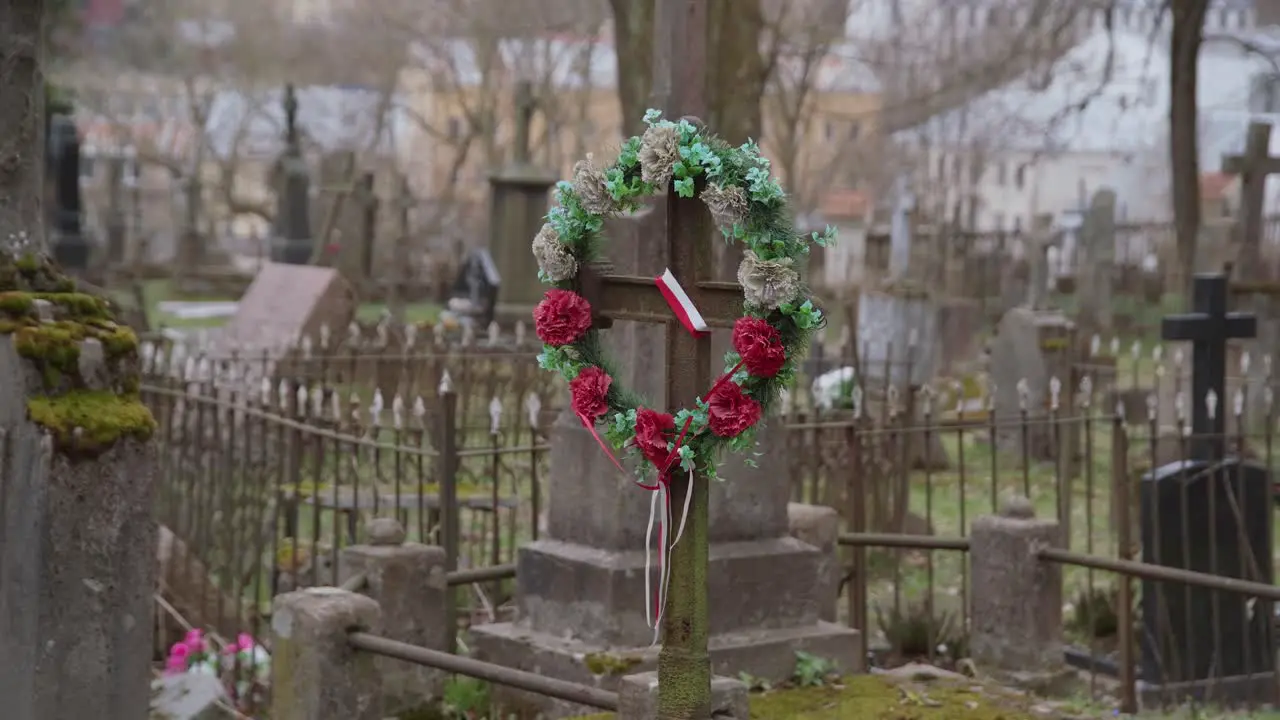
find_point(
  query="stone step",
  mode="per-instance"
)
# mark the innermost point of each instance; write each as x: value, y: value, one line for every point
x: 598, y: 596
x: 768, y: 654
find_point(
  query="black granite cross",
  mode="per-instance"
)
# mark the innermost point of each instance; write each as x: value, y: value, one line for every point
x: 1208, y: 328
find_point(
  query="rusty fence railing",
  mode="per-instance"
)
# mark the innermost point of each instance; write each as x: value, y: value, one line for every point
x: 480, y: 670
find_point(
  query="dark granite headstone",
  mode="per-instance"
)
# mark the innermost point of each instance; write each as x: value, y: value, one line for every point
x: 1210, y: 518
x: 71, y: 248
x: 292, y: 230
x: 1208, y: 514
x: 475, y: 291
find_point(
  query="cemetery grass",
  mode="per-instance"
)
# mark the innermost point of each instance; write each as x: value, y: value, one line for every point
x: 873, y: 697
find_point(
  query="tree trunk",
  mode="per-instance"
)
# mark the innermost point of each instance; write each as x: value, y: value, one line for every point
x: 22, y: 122
x: 1184, y: 163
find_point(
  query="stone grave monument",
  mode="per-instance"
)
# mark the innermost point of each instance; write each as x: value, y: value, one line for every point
x: 284, y: 304
x: 518, y: 202
x: 1196, y: 642
x: 292, y: 241
x: 1098, y: 259
x: 898, y: 324
x: 1033, y: 345
x: 581, y: 589
x: 77, y: 539
x: 71, y: 246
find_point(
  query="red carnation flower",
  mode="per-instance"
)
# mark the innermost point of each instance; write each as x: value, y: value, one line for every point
x: 760, y: 346
x: 562, y: 318
x: 589, y: 390
x: 653, y: 430
x: 731, y: 411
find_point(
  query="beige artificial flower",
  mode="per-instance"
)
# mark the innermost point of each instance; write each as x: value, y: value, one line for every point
x: 659, y: 150
x: 554, y: 259
x: 728, y: 205
x: 589, y: 186
x: 768, y: 283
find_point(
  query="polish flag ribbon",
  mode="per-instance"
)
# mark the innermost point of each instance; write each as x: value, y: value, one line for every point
x: 681, y: 304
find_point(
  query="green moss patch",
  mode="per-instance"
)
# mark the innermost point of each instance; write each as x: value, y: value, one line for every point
x: 89, y: 422
x: 55, y: 347
x: 33, y: 272
x: 869, y: 697
x: 603, y: 663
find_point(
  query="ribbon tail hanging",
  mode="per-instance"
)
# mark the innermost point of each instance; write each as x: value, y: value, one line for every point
x: 684, y: 514
x: 648, y: 561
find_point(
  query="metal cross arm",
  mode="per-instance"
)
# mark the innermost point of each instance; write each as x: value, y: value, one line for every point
x: 1208, y: 329
x: 631, y: 297
x: 1194, y: 326
x: 1210, y: 322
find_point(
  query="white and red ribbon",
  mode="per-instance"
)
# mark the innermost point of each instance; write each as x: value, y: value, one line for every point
x: 681, y: 304
x: 655, y: 602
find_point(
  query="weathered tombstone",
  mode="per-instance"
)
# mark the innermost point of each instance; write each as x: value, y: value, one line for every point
x: 518, y: 201
x: 1207, y: 514
x: 77, y: 540
x: 115, y: 216
x: 292, y: 241
x: 1031, y: 349
x: 71, y: 247
x: 474, y: 296
x: 286, y: 303
x: 898, y: 324
x: 900, y: 229
x: 1098, y: 254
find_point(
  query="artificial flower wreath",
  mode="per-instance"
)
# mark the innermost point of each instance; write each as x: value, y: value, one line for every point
x: 747, y: 205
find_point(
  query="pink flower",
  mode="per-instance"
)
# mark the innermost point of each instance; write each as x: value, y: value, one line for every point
x: 175, y: 665
x: 179, y: 650
x: 230, y: 650
x: 194, y: 634
x: 245, y: 641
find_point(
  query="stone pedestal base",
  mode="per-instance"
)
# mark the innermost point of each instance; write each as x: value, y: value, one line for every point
x: 766, y: 654
x: 583, y: 619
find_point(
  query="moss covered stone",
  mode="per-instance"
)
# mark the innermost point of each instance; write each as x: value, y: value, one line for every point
x: 86, y: 403
x: 603, y: 663
x: 90, y: 421
x: 869, y: 697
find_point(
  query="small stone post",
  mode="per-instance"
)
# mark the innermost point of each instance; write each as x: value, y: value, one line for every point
x: 638, y: 698
x: 77, y: 540
x: 1017, y: 630
x: 408, y: 582
x: 315, y: 673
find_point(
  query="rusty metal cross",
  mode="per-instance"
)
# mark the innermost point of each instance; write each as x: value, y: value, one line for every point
x: 680, y: 76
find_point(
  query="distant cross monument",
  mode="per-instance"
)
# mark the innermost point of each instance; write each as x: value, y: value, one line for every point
x: 1208, y: 329
x: 293, y: 213
x: 517, y: 203
x: 904, y: 202
x: 1253, y: 167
